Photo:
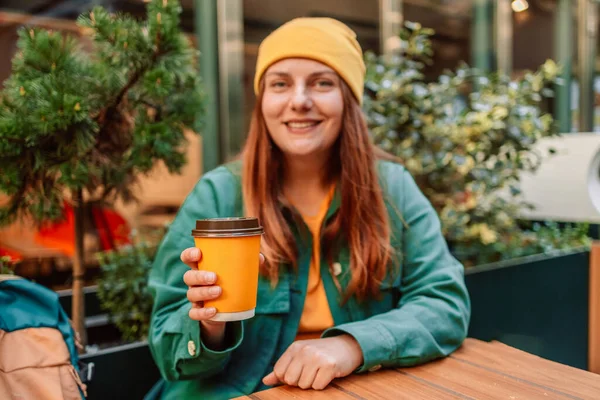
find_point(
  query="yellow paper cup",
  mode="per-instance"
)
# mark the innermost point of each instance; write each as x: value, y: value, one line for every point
x: 231, y: 248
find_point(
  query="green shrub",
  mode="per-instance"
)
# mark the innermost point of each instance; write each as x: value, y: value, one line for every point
x: 123, y: 286
x: 466, y: 138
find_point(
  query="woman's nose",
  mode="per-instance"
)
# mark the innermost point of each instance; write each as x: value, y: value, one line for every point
x: 301, y: 100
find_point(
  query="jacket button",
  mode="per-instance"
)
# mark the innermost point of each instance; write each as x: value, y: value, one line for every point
x: 375, y: 368
x: 192, y: 348
x: 336, y: 268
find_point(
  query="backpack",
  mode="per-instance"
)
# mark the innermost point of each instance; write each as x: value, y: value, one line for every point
x: 38, y: 356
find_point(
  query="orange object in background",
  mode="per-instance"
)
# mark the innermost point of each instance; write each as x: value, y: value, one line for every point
x: 111, y: 229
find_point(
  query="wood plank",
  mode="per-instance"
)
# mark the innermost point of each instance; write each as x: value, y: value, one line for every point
x: 506, y: 360
x: 375, y: 385
x: 393, y: 383
x: 475, y: 382
x: 594, y: 310
x: 288, y: 392
x: 477, y: 370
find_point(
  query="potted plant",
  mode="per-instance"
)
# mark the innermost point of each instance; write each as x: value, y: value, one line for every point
x: 122, y: 288
x: 79, y: 124
x: 466, y: 137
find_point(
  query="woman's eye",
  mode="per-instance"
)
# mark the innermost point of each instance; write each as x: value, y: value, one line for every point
x: 324, y: 83
x: 278, y: 84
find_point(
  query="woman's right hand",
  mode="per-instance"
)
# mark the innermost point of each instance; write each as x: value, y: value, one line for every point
x: 201, y: 287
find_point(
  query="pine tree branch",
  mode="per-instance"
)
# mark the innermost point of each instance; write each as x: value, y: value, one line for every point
x: 136, y: 76
x: 133, y: 80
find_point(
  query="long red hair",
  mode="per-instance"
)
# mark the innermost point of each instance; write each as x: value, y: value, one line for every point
x: 361, y: 223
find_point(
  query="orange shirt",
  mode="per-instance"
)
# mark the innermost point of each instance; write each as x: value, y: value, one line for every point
x: 316, y: 315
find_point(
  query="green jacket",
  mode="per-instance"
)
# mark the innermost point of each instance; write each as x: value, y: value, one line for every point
x: 422, y: 315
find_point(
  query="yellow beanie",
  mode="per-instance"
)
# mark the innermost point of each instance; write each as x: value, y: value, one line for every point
x: 322, y: 39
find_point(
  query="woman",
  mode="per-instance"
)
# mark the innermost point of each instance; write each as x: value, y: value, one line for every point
x: 355, y: 275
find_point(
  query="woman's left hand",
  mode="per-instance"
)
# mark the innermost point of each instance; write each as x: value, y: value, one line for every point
x: 315, y: 363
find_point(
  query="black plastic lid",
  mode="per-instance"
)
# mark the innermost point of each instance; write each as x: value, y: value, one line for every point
x: 227, y: 227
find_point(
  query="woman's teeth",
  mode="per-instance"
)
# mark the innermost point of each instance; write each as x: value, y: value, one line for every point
x: 301, y: 125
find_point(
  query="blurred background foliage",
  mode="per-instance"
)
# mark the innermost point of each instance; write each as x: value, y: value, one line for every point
x: 466, y: 138
x: 123, y: 284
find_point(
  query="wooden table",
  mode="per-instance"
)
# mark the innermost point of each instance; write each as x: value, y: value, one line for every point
x: 478, y: 370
